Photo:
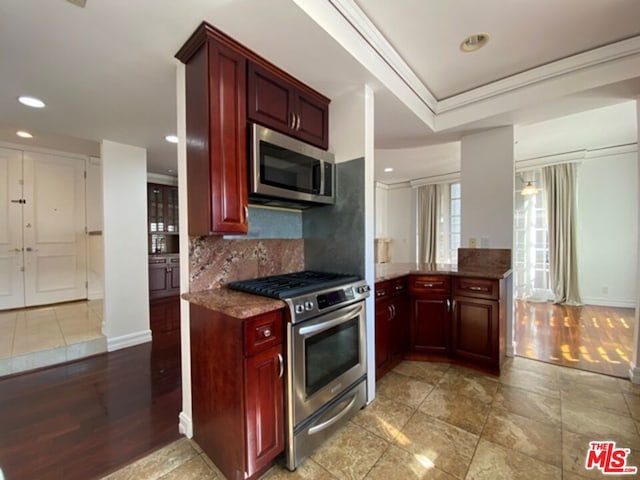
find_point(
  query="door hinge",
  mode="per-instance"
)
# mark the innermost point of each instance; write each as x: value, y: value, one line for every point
x: 85, y: 174
x: 22, y: 269
x: 86, y: 284
x: 19, y: 200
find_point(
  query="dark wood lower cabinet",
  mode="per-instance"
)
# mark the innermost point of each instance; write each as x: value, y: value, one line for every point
x: 430, y: 324
x: 444, y: 317
x: 164, y: 276
x: 475, y: 329
x: 237, y: 390
x: 392, y: 324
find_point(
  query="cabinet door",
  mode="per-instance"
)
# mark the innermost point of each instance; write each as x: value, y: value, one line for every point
x: 174, y: 275
x: 216, y: 140
x: 400, y: 326
x: 312, y: 124
x: 171, y: 209
x: 270, y: 100
x: 475, y: 330
x: 155, y: 201
x: 430, y: 324
x: 158, y: 285
x: 264, y: 389
x: 383, y: 334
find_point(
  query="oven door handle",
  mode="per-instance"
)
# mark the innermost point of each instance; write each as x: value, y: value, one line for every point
x: 321, y: 327
x: 335, y: 418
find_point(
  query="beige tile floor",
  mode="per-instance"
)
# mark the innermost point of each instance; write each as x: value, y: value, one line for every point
x: 438, y: 421
x: 40, y: 336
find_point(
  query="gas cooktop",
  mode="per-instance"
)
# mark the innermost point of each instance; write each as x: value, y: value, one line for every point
x: 293, y: 284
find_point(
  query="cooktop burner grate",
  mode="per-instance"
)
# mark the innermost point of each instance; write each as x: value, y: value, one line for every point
x: 292, y: 284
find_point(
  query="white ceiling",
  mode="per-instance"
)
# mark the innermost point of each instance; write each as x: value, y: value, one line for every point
x: 107, y: 71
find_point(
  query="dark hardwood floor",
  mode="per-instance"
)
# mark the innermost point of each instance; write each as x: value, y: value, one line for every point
x: 87, y: 418
x: 597, y: 339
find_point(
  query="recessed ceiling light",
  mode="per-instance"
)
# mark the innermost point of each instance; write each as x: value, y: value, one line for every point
x: 31, y: 101
x: 24, y: 134
x: 171, y: 138
x: 474, y: 42
x: 388, y: 169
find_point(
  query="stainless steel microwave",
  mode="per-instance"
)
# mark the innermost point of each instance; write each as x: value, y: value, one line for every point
x: 285, y: 171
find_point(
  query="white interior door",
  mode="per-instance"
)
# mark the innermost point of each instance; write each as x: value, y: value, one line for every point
x: 54, y: 229
x: 11, y: 274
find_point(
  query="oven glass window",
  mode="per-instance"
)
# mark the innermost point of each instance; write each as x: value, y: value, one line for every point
x: 331, y: 353
x: 286, y: 169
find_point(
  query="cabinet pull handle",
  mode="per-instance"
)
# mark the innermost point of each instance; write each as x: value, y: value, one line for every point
x: 448, y: 305
x: 292, y: 120
x: 477, y: 289
x: 454, y: 306
x: 393, y: 309
x: 399, y: 287
x: 281, y: 363
x: 246, y: 214
x: 266, y: 333
x: 298, y: 122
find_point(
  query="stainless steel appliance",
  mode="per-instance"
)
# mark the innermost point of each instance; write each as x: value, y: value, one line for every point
x: 286, y: 171
x: 326, y: 353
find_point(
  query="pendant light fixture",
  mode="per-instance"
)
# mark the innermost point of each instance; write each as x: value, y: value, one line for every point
x: 529, y: 189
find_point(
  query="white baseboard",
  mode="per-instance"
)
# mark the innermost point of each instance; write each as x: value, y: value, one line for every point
x: 634, y: 374
x: 185, y: 425
x: 609, y: 302
x: 511, y: 349
x: 129, y: 340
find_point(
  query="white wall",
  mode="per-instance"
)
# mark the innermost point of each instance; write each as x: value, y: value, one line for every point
x: 95, y: 247
x: 607, y: 230
x: 634, y: 370
x: 401, y: 224
x: 381, y: 210
x: 487, y: 185
x: 126, y: 280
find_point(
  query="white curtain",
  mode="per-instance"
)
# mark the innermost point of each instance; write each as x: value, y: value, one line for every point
x: 560, y: 187
x: 428, y: 200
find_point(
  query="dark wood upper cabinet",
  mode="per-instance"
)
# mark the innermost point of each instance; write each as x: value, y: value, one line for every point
x: 216, y: 75
x: 221, y: 74
x: 278, y: 103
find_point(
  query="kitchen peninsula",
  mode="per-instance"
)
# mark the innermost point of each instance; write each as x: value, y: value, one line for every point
x: 444, y: 312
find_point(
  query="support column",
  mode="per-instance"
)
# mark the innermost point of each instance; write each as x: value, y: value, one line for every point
x: 634, y: 371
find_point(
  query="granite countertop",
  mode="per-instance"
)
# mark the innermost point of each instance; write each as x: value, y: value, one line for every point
x: 387, y: 271
x: 233, y: 303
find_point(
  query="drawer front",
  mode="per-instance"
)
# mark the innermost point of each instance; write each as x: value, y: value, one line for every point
x: 427, y: 284
x: 399, y: 286
x: 263, y: 332
x: 383, y: 290
x: 476, y: 287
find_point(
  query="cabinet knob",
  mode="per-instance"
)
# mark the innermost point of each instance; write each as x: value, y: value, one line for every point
x: 266, y: 333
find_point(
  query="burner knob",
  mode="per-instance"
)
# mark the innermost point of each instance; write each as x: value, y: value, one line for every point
x: 308, y: 306
x: 300, y: 308
x: 363, y: 289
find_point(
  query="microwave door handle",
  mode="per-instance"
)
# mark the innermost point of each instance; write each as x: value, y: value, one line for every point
x: 321, y: 327
x: 322, y: 179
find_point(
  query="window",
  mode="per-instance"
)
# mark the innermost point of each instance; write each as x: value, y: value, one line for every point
x: 449, y: 224
x: 531, y: 249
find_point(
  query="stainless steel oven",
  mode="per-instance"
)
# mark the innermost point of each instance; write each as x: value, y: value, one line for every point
x: 327, y: 371
x: 325, y: 353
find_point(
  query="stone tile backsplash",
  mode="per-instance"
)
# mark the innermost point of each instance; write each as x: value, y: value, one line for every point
x: 215, y: 261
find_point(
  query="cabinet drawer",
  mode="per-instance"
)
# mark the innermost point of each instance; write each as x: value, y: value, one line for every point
x: 398, y: 285
x: 157, y: 261
x: 383, y: 290
x: 262, y: 332
x: 476, y: 287
x: 426, y: 284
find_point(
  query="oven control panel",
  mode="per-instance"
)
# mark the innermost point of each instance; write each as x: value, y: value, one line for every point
x: 310, y: 305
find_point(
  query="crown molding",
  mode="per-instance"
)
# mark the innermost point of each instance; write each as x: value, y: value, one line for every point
x: 435, y: 179
x: 574, y: 156
x: 351, y: 28
x: 606, y: 54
